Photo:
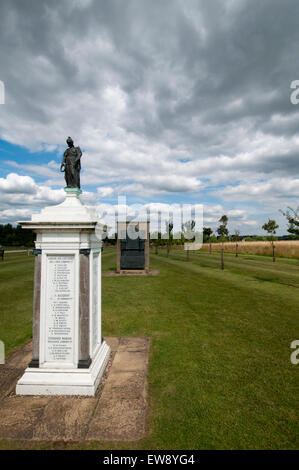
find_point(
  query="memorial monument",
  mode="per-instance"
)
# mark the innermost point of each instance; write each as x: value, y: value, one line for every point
x: 132, y: 247
x: 69, y: 354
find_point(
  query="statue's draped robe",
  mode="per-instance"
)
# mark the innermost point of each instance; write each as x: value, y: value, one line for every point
x: 71, y: 160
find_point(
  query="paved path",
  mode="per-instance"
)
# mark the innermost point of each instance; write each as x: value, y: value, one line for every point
x: 116, y: 413
x: 16, y: 251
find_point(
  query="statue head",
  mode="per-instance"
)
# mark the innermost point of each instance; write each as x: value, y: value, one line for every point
x: 69, y: 141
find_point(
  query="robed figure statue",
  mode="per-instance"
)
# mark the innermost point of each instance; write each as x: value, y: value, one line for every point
x: 71, y: 164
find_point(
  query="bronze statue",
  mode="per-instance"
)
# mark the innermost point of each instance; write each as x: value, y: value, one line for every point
x: 71, y: 164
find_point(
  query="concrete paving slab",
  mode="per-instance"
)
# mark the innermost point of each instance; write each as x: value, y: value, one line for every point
x: 19, y: 416
x: 130, y: 361
x: 121, y: 412
x: 131, y: 344
x: 65, y: 418
x: 112, y: 342
x: 8, y: 379
x: 118, y: 420
x: 117, y: 412
x: 124, y: 385
x: 21, y: 358
x: 13, y: 368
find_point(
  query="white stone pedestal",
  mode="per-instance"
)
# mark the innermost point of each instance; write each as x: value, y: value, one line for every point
x: 69, y: 354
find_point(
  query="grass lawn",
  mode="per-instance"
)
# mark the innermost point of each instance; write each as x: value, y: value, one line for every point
x: 16, y: 299
x: 220, y: 373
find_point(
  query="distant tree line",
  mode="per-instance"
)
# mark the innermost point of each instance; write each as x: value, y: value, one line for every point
x: 222, y: 234
x: 292, y: 216
x: 15, y: 236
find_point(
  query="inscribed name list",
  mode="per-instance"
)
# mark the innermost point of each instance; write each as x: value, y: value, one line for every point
x: 60, y: 306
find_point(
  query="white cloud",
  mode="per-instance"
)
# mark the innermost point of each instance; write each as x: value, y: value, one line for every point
x: 13, y: 215
x: 22, y: 191
x: 14, y: 183
x: 105, y: 191
x: 277, y: 189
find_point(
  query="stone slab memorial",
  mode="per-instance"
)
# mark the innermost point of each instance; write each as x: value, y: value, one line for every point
x: 69, y: 355
x: 132, y: 247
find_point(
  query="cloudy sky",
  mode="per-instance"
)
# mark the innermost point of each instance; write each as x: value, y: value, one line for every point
x: 171, y: 101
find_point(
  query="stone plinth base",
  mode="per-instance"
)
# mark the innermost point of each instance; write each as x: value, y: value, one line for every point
x: 38, y: 381
x: 152, y: 272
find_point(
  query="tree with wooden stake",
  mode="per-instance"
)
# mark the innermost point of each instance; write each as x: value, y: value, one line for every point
x: 222, y: 231
x: 157, y: 242
x: 169, y: 227
x: 207, y: 233
x: 271, y: 227
x: 292, y: 216
x: 236, y: 238
x: 188, y: 230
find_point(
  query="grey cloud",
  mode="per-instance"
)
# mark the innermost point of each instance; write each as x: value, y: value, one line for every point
x: 204, y: 78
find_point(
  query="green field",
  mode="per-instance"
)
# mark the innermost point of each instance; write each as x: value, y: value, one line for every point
x: 220, y: 374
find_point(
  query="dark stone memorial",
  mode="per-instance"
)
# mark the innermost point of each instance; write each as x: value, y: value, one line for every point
x: 133, y: 247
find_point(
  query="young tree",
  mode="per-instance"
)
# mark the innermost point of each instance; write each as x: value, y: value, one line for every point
x: 207, y: 233
x: 292, y: 216
x: 159, y: 241
x: 169, y: 228
x: 222, y: 231
x: 236, y: 238
x: 188, y: 229
x: 156, y: 242
x: 271, y: 227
